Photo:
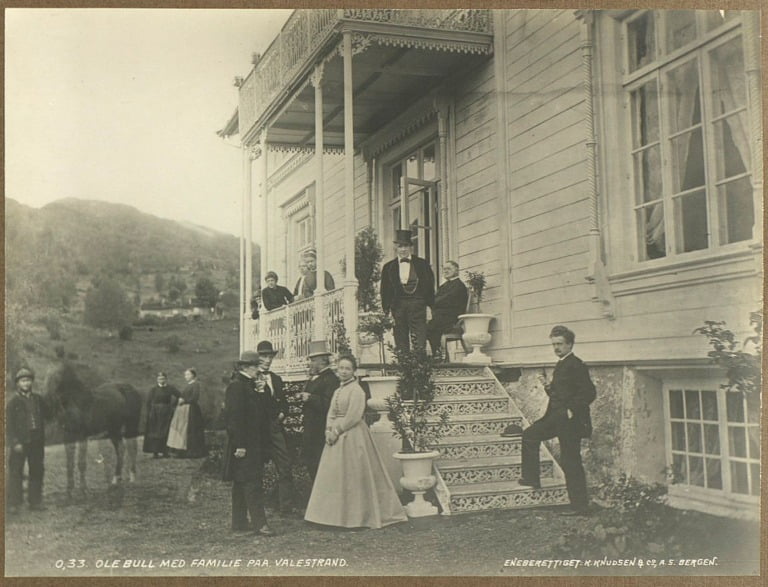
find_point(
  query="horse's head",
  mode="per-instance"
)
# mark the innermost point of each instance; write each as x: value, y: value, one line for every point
x: 69, y: 388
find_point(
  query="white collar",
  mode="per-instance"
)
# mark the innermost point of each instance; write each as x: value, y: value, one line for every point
x: 565, y: 356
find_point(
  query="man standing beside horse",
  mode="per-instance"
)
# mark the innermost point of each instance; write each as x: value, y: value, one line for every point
x: 25, y: 437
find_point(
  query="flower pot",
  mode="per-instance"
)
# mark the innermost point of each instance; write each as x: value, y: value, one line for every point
x: 418, y: 479
x: 476, y: 335
x: 382, y: 387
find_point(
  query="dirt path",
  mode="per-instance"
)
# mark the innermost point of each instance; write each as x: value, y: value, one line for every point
x: 174, y: 515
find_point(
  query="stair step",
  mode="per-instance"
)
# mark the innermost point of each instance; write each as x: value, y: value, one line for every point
x: 506, y: 495
x: 474, y: 447
x: 460, y: 371
x: 488, y: 469
x: 478, y: 424
x: 467, y: 405
x: 465, y: 386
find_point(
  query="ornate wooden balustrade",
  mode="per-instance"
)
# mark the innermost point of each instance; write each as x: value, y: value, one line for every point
x: 291, y: 327
x: 306, y: 33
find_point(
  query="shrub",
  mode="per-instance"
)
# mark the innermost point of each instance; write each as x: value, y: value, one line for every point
x: 125, y: 332
x: 172, y: 344
x: 148, y: 320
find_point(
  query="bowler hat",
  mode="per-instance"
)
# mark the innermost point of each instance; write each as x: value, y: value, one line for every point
x: 24, y: 372
x: 248, y: 358
x: 318, y: 348
x: 403, y: 237
x: 512, y: 430
x: 265, y: 348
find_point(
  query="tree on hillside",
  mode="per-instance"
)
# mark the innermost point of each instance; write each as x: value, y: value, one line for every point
x: 107, y: 306
x: 159, y: 282
x: 206, y: 292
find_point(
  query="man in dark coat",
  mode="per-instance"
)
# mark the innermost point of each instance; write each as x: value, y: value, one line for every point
x: 247, y: 408
x: 407, y: 288
x: 567, y: 417
x: 450, y: 301
x: 25, y: 439
x: 317, y: 396
x: 278, y: 411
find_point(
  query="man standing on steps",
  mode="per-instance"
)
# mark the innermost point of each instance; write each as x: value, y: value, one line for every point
x: 278, y: 411
x: 407, y: 288
x: 567, y: 418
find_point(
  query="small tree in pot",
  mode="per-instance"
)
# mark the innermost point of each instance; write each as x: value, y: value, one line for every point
x: 476, y: 283
x: 418, y: 423
x: 476, y: 324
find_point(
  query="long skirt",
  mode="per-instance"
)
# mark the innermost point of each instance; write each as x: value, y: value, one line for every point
x: 352, y: 488
x: 187, y: 432
x: 158, y: 423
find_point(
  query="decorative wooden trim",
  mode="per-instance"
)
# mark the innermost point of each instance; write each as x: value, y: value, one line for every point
x: 287, y: 168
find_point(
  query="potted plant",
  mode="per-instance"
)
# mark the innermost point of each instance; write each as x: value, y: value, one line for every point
x: 418, y: 424
x: 476, y: 324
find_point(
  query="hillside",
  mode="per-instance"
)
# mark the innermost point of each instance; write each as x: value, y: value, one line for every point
x: 51, y: 251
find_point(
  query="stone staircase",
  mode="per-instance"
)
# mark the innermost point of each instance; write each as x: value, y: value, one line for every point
x: 478, y: 469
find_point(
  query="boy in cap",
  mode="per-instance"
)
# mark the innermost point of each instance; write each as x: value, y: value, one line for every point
x: 25, y: 439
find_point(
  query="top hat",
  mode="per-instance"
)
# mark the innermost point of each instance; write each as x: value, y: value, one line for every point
x: 318, y: 348
x: 403, y: 237
x: 512, y: 430
x: 248, y: 358
x: 265, y: 348
x: 24, y: 372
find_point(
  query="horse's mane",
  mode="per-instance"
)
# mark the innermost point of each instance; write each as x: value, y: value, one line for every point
x: 73, y: 382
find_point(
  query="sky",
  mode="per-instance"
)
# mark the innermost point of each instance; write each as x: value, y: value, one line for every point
x: 123, y: 105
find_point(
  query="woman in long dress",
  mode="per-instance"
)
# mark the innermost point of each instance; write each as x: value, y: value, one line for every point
x: 352, y: 488
x: 160, y: 405
x: 187, y: 434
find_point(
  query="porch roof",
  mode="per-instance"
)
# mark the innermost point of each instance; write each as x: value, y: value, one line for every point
x: 399, y: 56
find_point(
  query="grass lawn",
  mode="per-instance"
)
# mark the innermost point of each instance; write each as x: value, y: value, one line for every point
x: 178, y: 510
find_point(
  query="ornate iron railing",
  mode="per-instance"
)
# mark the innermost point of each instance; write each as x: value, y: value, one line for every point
x: 308, y: 30
x: 290, y: 328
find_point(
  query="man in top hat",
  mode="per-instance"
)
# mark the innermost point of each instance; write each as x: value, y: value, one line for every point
x: 407, y: 288
x: 247, y: 414
x: 278, y: 411
x: 317, y: 396
x: 307, y: 284
x: 25, y: 438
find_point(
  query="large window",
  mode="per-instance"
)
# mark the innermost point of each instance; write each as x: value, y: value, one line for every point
x: 687, y: 101
x: 413, y: 200
x: 714, y: 438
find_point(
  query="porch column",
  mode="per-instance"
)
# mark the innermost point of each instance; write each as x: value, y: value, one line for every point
x: 245, y: 197
x: 262, y: 211
x: 247, y: 286
x: 318, y: 332
x: 754, y: 109
x: 350, y: 282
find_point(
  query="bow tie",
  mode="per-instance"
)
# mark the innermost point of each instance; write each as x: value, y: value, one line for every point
x: 405, y: 260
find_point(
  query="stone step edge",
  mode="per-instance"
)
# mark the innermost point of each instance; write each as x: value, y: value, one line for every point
x: 470, y: 397
x: 483, y: 463
x: 498, y: 487
x: 477, y: 439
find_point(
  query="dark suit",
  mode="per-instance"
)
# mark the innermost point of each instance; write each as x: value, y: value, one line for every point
x: 306, y: 289
x: 408, y: 303
x: 571, y: 389
x: 315, y: 411
x: 25, y: 426
x: 450, y: 301
x: 247, y: 415
x: 278, y: 446
x: 275, y: 297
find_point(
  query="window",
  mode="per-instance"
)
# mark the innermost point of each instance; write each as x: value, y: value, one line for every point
x: 416, y: 175
x: 714, y: 439
x: 687, y: 103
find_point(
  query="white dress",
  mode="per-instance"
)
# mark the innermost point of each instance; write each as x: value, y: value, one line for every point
x: 352, y: 488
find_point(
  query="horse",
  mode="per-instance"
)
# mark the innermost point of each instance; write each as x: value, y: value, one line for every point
x: 86, y: 406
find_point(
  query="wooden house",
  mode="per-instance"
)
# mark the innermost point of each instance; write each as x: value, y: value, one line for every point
x: 602, y: 168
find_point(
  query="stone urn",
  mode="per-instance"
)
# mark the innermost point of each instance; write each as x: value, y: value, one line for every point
x: 418, y: 479
x: 382, y: 387
x: 476, y: 336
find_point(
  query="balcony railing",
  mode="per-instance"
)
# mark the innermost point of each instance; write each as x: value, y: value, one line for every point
x: 307, y: 30
x: 290, y: 328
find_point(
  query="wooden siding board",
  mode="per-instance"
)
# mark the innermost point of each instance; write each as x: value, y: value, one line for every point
x: 576, y: 242
x: 547, y: 132
x: 553, y: 234
x: 559, y: 216
x: 549, y: 192
x: 536, y: 112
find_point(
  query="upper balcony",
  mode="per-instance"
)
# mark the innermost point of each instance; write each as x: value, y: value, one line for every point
x: 426, y: 44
